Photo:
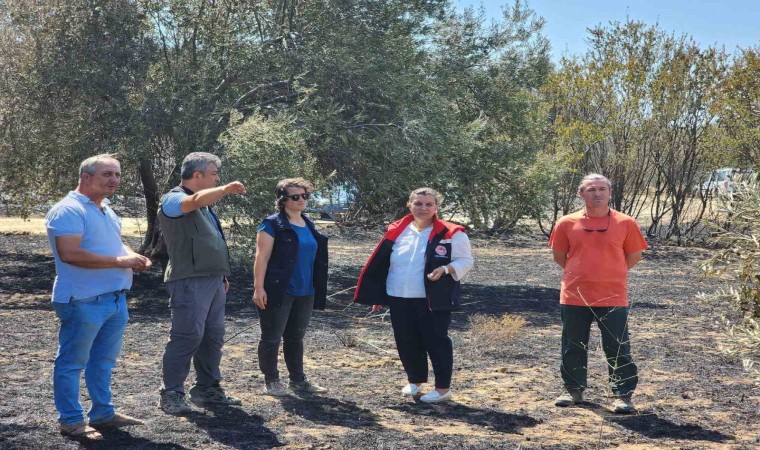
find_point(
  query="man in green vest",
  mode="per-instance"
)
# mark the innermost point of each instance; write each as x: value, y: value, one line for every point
x: 196, y: 278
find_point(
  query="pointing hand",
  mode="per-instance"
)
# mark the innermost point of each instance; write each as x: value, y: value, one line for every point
x: 235, y: 187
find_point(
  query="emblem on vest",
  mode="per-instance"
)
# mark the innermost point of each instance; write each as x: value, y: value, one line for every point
x: 440, y: 250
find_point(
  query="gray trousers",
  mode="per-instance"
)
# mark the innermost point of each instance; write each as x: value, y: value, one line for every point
x: 197, y: 332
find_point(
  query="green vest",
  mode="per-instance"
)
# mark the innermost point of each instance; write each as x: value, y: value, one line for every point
x: 195, y: 245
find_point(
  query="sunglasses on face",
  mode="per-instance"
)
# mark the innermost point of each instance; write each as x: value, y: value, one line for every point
x: 592, y: 230
x: 295, y: 197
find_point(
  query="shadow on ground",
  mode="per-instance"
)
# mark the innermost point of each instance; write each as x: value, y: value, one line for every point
x: 498, y: 421
x: 235, y: 428
x: 24, y: 437
x: 122, y: 439
x: 329, y: 411
x: 35, y: 271
x: 656, y: 427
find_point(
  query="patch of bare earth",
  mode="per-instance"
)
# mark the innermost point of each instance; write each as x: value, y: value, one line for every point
x: 689, y: 396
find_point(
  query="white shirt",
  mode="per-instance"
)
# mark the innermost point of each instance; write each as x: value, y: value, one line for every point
x: 406, y: 275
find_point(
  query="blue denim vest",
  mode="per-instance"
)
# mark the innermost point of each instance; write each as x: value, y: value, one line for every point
x: 283, y: 258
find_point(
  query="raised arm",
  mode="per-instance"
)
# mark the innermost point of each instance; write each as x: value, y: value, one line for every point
x: 210, y: 196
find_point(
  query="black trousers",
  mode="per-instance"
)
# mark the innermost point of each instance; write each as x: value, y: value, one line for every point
x: 420, y: 333
x: 287, y: 323
x: 613, y: 324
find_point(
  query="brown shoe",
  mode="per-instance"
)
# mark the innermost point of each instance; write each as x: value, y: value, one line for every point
x: 81, y: 432
x: 118, y: 420
x: 174, y: 403
x: 212, y: 395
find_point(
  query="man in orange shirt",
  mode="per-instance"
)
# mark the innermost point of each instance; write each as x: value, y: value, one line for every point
x: 596, y: 247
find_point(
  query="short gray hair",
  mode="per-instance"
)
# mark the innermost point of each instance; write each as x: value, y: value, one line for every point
x: 90, y: 165
x: 425, y: 191
x: 592, y: 177
x: 198, y: 162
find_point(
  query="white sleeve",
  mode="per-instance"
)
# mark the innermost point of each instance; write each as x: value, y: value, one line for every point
x: 461, y: 255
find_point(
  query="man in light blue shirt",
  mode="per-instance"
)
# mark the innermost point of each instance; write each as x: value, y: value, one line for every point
x: 93, y: 273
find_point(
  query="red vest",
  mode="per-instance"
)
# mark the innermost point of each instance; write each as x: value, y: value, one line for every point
x: 442, y: 295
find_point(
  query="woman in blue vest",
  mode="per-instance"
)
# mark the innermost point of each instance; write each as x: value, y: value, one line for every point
x: 290, y: 280
x: 416, y: 269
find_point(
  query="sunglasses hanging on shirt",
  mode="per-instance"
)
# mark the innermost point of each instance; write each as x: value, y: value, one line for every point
x: 609, y: 211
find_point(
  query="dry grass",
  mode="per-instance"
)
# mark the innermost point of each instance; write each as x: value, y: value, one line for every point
x: 131, y: 226
x: 493, y: 334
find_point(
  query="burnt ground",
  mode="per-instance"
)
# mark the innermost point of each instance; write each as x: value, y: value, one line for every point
x: 689, y: 395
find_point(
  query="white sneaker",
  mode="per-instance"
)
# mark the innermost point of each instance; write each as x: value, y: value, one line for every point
x: 435, y: 397
x: 411, y: 390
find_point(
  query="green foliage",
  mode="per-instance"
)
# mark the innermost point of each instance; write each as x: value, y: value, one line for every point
x: 69, y: 76
x: 260, y: 151
x: 738, y: 106
x: 490, y: 74
x: 382, y: 97
x: 738, y: 256
x: 738, y: 241
x: 637, y: 108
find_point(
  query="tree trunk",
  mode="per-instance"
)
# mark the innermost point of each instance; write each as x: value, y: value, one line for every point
x: 152, y: 245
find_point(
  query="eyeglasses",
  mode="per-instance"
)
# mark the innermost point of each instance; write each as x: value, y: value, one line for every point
x: 609, y: 211
x: 295, y: 197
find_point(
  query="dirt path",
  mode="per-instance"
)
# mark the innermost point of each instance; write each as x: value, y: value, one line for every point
x: 689, y: 396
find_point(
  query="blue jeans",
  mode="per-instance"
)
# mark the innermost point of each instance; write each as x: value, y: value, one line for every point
x: 89, y: 339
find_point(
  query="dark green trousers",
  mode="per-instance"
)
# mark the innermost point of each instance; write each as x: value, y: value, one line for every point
x: 613, y: 324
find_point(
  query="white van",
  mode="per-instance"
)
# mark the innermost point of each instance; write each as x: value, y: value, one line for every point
x: 724, y: 181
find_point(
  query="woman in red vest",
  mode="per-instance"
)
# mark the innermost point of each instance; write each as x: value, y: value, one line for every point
x: 416, y: 269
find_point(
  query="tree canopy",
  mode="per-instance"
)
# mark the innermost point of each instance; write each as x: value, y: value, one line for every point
x: 378, y: 97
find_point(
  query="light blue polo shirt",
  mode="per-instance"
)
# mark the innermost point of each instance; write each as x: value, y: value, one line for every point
x: 100, y: 229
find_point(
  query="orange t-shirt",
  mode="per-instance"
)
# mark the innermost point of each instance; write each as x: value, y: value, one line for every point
x: 596, y: 273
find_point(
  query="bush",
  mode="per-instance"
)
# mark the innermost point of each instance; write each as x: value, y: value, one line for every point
x: 738, y: 239
x: 260, y: 151
x: 491, y: 335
